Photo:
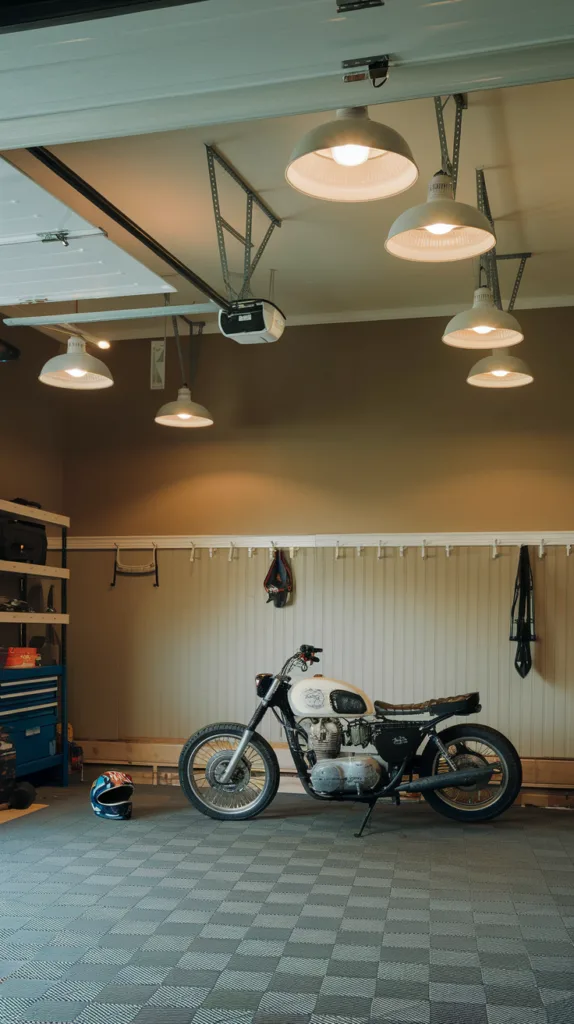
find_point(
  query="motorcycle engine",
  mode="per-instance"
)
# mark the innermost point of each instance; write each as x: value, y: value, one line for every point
x: 334, y: 774
x: 346, y: 775
x: 324, y: 737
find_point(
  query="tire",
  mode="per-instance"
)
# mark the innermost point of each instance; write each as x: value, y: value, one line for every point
x: 267, y: 766
x: 23, y: 796
x: 509, y: 786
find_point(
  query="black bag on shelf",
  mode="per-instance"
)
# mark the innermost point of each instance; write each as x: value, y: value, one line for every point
x: 21, y: 541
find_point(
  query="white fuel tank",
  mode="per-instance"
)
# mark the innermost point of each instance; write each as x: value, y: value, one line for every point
x: 320, y: 697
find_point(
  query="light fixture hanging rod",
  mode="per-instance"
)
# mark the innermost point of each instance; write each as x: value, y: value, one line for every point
x: 65, y: 173
x: 488, y: 260
x: 110, y: 314
x: 450, y: 166
x: 517, y: 281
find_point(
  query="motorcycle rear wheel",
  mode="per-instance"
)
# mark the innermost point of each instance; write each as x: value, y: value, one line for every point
x: 204, y: 759
x: 469, y: 746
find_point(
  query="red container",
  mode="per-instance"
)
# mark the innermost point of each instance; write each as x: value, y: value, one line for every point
x: 18, y: 657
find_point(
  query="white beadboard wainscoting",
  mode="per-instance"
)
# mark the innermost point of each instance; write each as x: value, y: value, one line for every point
x: 156, y: 664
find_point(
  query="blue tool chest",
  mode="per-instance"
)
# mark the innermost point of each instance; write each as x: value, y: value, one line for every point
x: 29, y: 711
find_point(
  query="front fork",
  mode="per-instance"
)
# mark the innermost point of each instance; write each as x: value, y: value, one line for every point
x: 245, y: 740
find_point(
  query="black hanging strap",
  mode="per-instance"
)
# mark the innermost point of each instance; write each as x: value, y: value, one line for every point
x: 279, y: 580
x: 522, y: 628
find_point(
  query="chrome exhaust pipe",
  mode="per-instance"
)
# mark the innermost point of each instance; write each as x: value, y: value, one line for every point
x: 471, y: 777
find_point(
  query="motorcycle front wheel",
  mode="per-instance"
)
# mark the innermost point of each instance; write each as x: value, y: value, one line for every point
x: 473, y: 746
x: 203, y: 762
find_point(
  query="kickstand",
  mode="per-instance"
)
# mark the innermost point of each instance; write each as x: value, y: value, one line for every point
x: 366, y: 819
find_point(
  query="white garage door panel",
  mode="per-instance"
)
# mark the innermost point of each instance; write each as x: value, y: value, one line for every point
x: 88, y: 267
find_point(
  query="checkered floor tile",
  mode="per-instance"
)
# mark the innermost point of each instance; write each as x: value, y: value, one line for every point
x: 172, y: 918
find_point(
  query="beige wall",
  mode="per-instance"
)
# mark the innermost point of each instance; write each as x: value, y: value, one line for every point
x: 344, y: 428
x: 31, y: 415
x: 161, y: 663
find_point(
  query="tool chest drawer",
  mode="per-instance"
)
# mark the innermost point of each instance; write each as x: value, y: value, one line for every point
x: 29, y: 711
x: 27, y: 692
x: 33, y: 733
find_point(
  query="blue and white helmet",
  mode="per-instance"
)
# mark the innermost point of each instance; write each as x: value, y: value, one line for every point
x: 111, y: 795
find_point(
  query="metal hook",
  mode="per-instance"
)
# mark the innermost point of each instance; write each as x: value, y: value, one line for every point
x: 192, y: 552
x: 337, y: 552
x: 380, y: 554
x: 292, y: 552
x: 251, y: 552
x: 360, y: 549
x: 231, y: 551
x: 212, y: 552
x: 424, y: 549
x: 495, y: 551
x: 541, y: 551
x: 402, y: 550
x: 568, y: 550
x: 448, y: 549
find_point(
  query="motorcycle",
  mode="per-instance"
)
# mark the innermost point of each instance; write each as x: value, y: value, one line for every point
x: 468, y: 772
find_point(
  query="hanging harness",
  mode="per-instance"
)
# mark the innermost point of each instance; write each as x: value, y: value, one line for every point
x: 279, y: 580
x: 522, y: 628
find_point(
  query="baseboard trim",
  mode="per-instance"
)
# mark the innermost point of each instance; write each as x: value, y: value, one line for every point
x: 542, y: 773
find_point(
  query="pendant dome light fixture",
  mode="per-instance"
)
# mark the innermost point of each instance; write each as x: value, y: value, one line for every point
x: 483, y: 326
x: 183, y: 412
x: 352, y: 159
x: 500, y: 371
x: 442, y: 230
x: 76, y: 370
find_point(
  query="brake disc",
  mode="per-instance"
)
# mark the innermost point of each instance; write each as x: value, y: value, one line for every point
x: 215, y: 770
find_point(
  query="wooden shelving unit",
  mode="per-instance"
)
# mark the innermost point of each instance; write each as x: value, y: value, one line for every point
x: 61, y: 574
x: 21, y: 618
x: 49, y: 572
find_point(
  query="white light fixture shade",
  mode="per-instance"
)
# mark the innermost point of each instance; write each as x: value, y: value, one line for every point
x: 183, y: 412
x: 352, y: 160
x: 500, y: 371
x: 76, y: 370
x: 441, y: 230
x: 483, y: 326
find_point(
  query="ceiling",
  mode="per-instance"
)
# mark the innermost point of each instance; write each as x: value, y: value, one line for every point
x: 222, y: 60
x: 329, y: 258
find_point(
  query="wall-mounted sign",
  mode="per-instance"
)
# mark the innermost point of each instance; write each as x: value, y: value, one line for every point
x: 157, y: 365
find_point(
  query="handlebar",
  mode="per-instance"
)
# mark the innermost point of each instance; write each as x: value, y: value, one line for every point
x: 308, y: 652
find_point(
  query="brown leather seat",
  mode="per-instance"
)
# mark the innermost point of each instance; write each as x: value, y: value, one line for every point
x: 463, y: 704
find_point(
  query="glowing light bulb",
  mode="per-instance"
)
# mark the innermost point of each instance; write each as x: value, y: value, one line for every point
x: 103, y: 344
x: 439, y: 229
x: 483, y: 329
x: 184, y: 415
x: 76, y: 373
x: 500, y: 373
x: 350, y: 155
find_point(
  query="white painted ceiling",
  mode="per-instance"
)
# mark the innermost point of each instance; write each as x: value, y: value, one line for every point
x: 32, y: 270
x: 234, y: 60
x: 329, y: 258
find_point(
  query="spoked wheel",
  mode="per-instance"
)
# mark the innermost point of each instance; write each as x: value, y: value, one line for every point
x: 468, y: 747
x: 202, y: 765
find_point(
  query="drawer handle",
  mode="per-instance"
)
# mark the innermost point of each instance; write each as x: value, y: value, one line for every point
x: 31, y: 682
x: 26, y: 711
x: 27, y: 693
